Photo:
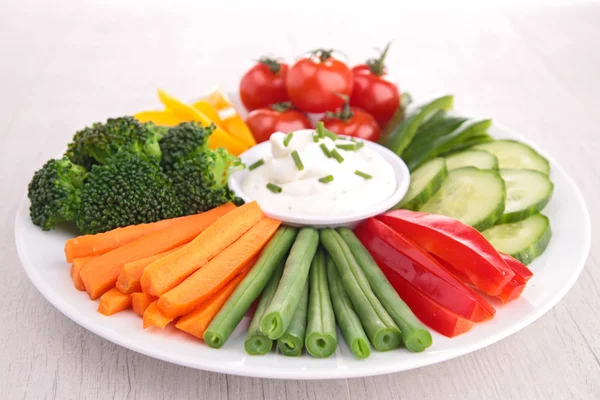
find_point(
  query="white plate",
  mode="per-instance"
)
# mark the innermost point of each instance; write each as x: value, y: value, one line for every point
x: 262, y: 150
x: 555, y: 272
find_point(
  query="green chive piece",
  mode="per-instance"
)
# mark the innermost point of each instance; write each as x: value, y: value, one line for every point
x: 325, y: 150
x: 316, y: 138
x: 360, y: 145
x: 297, y: 160
x: 256, y: 164
x: 347, y: 146
x: 288, y: 139
x: 330, y: 134
x: 363, y: 174
x: 337, y: 156
x: 274, y: 188
x: 321, y: 129
x: 326, y: 179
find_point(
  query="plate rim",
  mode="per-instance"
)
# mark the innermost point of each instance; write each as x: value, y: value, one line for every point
x: 306, y: 374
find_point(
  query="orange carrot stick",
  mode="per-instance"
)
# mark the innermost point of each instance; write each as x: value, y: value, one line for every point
x: 140, y: 301
x: 78, y: 264
x: 129, y: 278
x: 114, y: 301
x: 153, y: 317
x: 164, y: 274
x: 100, y: 243
x: 100, y: 274
x: 196, y: 322
x: 205, y: 282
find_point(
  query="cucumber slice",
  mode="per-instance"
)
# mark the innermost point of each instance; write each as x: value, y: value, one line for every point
x: 527, y: 193
x: 425, y: 181
x: 524, y: 240
x: 516, y: 155
x: 473, y: 196
x: 472, y: 158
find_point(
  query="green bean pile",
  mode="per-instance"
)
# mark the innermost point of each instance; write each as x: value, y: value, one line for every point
x: 312, y: 283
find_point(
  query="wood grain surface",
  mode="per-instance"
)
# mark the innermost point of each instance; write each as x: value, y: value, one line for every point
x: 534, y: 67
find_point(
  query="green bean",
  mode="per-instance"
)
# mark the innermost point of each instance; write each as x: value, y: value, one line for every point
x: 292, y: 341
x: 321, y: 335
x: 250, y: 288
x: 414, y: 334
x: 279, y: 313
x: 256, y: 343
x: 381, y: 329
x: 346, y: 318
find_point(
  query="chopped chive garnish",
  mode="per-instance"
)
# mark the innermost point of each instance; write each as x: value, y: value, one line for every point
x: 337, y: 156
x: 321, y: 129
x: 256, y: 164
x: 274, y: 188
x: 297, y: 160
x: 363, y: 174
x: 360, y: 145
x: 325, y: 150
x: 326, y: 179
x: 330, y: 134
x: 315, y: 138
x: 347, y: 146
x: 288, y: 139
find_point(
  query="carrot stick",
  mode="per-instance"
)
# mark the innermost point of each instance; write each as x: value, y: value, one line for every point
x: 153, y: 317
x: 100, y: 243
x: 78, y: 264
x: 129, y: 278
x: 114, y: 301
x: 205, y: 282
x: 100, y: 274
x: 164, y: 274
x: 196, y: 322
x: 140, y: 301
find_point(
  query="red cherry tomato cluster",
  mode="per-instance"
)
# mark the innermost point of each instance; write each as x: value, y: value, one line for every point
x: 357, y: 102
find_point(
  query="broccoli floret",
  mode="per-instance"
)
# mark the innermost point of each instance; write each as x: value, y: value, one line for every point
x: 126, y: 190
x: 55, y: 193
x: 93, y: 145
x: 201, y: 181
x: 182, y: 141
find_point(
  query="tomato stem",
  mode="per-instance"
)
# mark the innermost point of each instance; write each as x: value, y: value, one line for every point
x: 273, y: 64
x: 345, y: 113
x: 323, y: 54
x: 282, y: 107
x: 377, y: 65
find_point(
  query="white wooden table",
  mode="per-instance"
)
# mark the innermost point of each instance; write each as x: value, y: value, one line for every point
x: 534, y: 68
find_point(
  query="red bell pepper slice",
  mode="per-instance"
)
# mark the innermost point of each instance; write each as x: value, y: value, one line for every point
x: 430, y: 312
x: 515, y: 287
x: 459, y: 244
x: 510, y: 292
x: 422, y: 271
x: 522, y: 273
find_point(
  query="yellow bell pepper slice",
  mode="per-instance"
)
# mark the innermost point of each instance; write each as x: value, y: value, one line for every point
x: 163, y: 118
x: 218, y: 99
x: 235, y: 125
x: 207, y: 109
x: 219, y: 138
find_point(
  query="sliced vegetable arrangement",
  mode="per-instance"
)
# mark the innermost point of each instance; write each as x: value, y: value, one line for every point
x: 165, y: 236
x: 458, y: 170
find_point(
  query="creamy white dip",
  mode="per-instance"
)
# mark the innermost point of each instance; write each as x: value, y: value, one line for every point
x: 301, y: 191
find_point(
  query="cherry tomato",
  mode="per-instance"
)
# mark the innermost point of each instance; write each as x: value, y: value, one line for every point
x: 280, y: 117
x: 264, y: 84
x: 312, y: 82
x: 373, y: 92
x: 352, y: 121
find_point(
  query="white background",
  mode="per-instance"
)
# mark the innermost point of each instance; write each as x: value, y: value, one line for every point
x: 531, y: 65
